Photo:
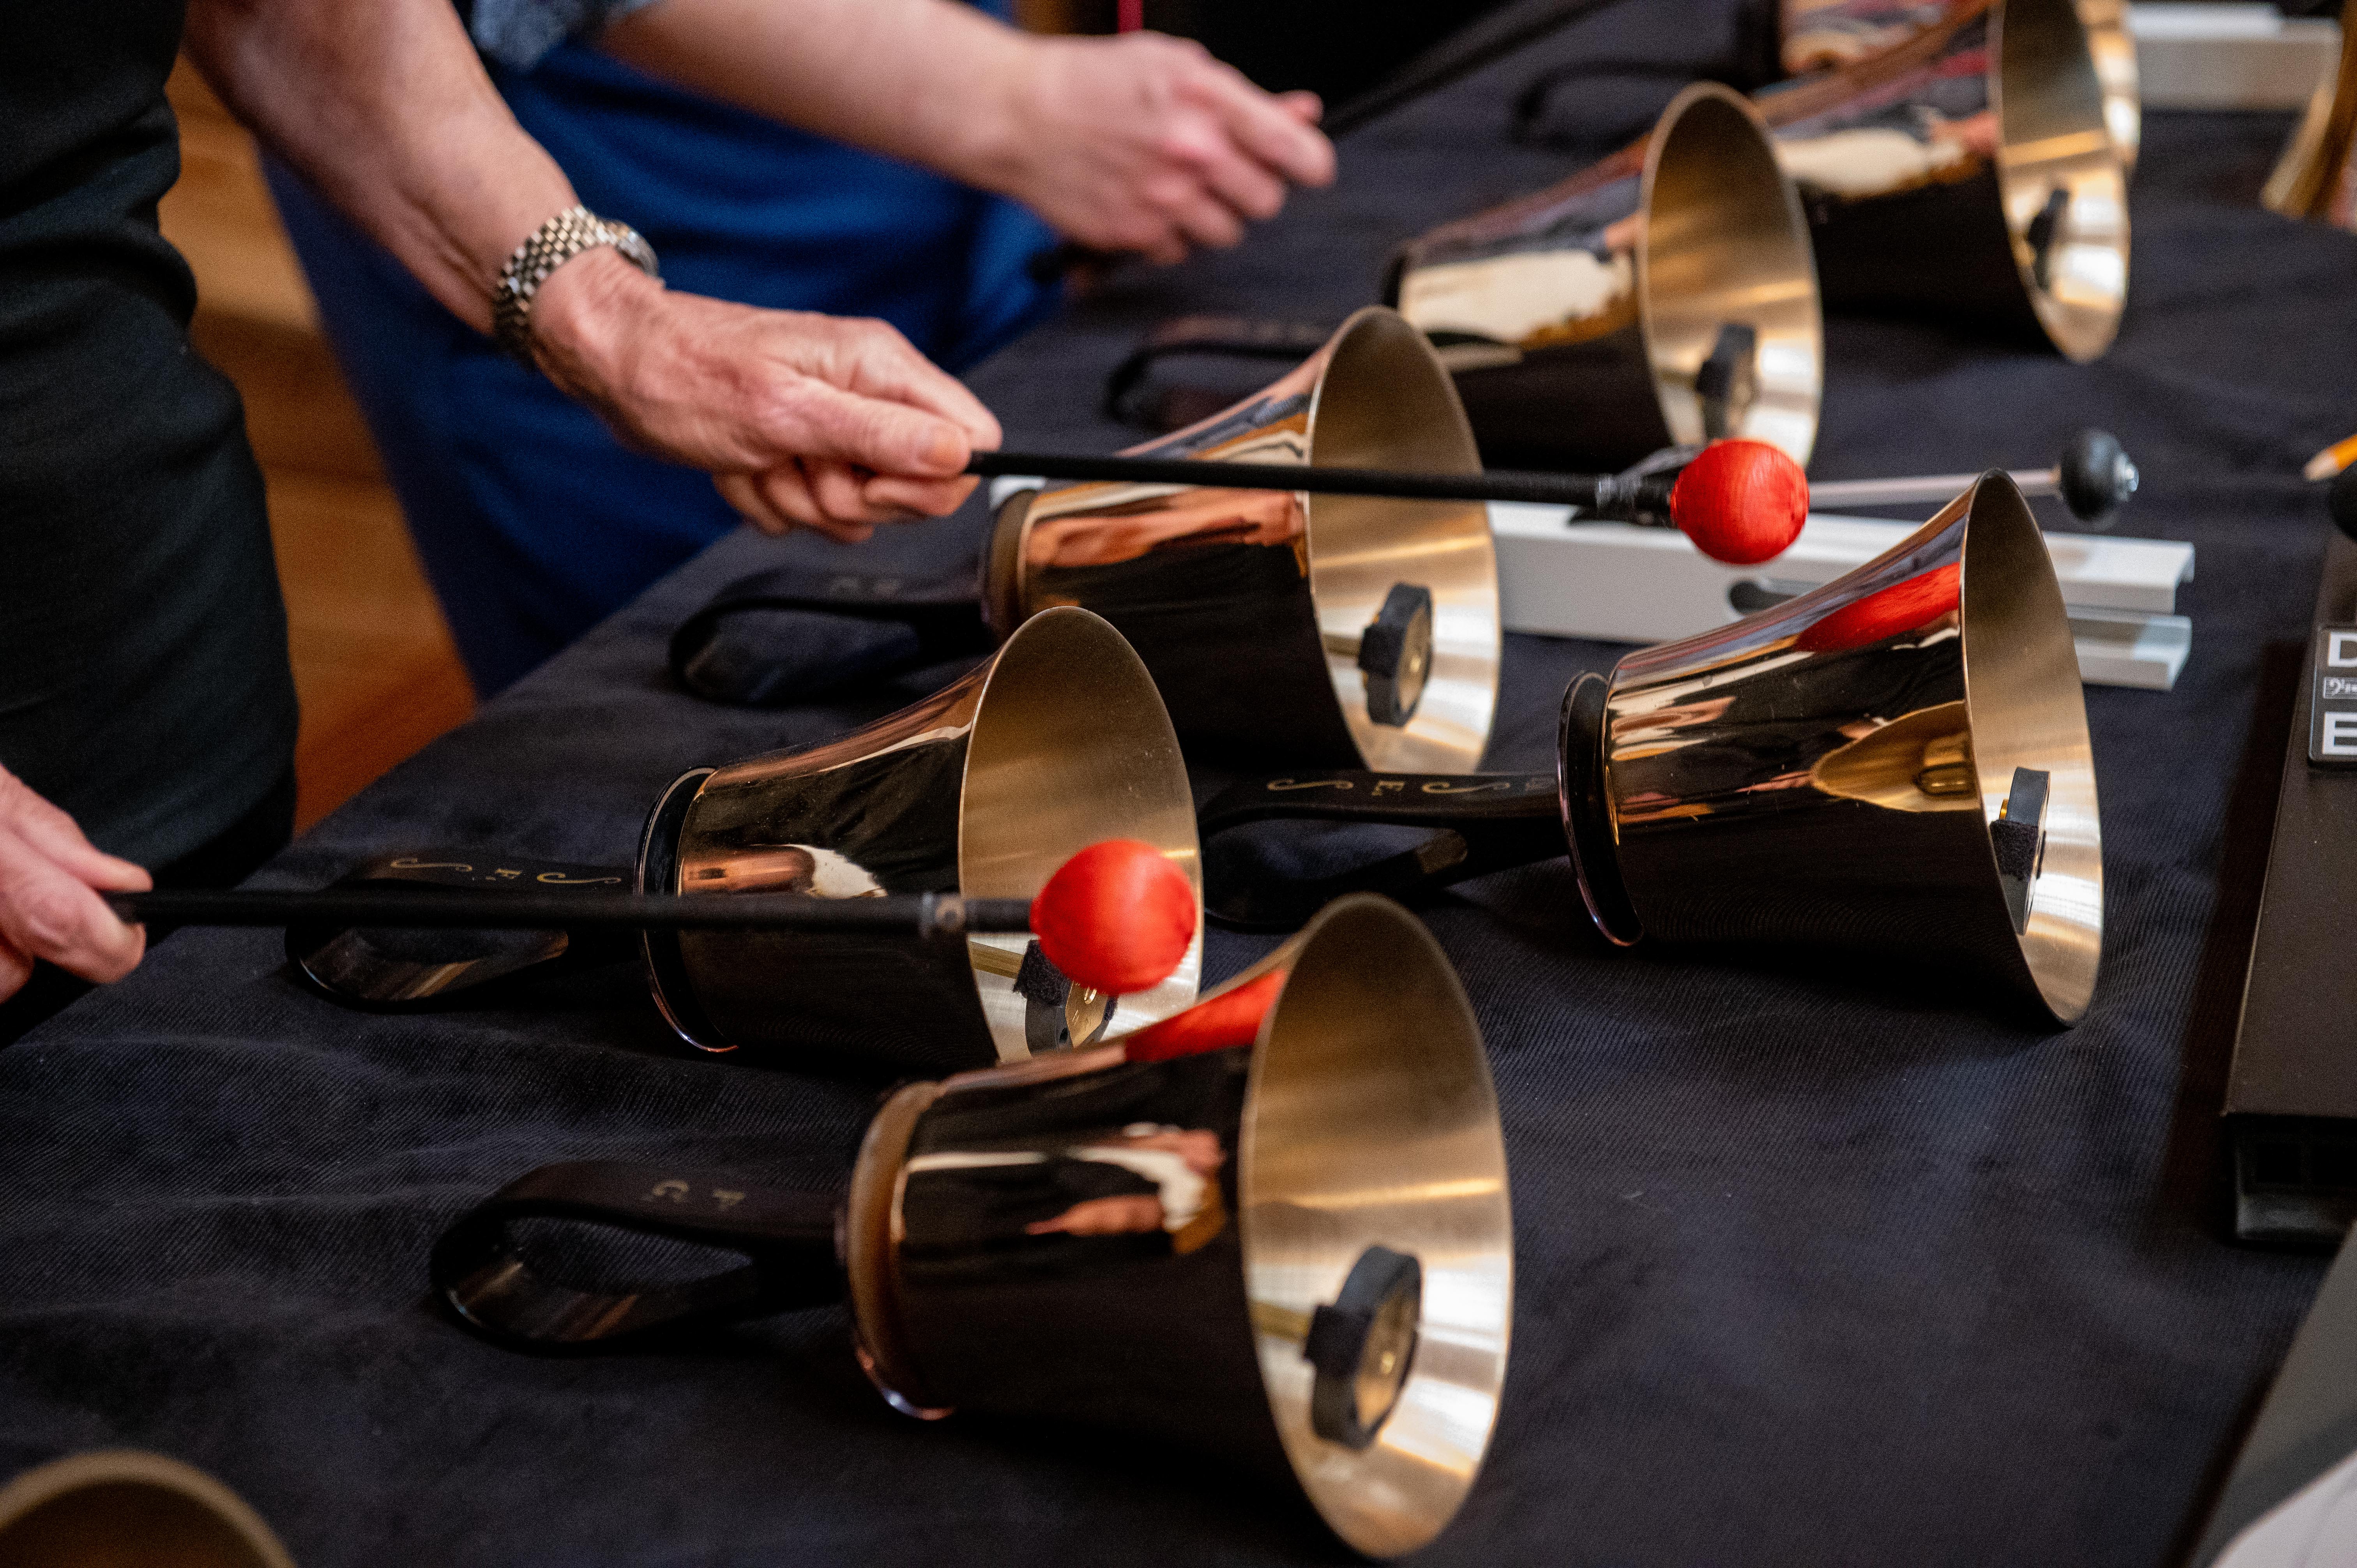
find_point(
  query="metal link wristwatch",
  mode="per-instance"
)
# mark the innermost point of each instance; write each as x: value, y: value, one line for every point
x: 554, y: 244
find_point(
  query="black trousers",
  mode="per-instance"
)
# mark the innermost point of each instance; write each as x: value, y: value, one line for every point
x: 224, y: 861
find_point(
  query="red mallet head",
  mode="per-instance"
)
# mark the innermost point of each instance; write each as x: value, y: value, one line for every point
x: 1117, y: 916
x: 1214, y: 1023
x: 1740, y: 501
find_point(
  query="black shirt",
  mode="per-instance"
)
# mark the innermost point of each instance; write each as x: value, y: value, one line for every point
x: 144, y: 683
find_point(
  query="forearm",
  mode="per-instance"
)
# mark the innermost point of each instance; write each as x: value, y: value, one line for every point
x: 385, y: 109
x: 926, y: 80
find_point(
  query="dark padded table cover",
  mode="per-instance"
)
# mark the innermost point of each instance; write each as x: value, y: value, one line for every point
x: 1815, y: 1265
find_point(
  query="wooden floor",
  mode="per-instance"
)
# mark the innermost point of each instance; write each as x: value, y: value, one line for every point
x: 374, y: 667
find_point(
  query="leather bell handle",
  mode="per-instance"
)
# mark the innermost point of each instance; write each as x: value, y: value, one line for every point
x: 786, y: 1239
x: 1482, y: 822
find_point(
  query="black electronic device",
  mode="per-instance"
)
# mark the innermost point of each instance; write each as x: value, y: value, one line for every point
x: 2291, y: 1098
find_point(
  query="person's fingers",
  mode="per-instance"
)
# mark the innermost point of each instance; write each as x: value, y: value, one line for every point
x: 890, y: 367
x: 1206, y: 220
x: 15, y: 969
x: 916, y: 498
x: 1241, y: 184
x: 841, y: 499
x: 741, y: 492
x: 47, y: 913
x: 822, y: 420
x: 793, y: 486
x: 50, y: 830
x: 1275, y: 135
x: 1303, y: 105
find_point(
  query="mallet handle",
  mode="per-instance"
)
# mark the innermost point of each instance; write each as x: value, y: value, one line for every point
x: 919, y: 914
x: 1605, y: 495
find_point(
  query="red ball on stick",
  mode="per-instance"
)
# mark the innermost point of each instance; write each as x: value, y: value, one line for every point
x: 1117, y: 916
x: 1740, y: 501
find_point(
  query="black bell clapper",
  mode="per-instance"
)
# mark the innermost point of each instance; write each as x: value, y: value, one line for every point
x: 1194, y: 1248
x: 1897, y: 762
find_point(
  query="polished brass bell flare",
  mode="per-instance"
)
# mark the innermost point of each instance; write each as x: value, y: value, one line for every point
x: 1666, y: 296
x: 2312, y: 179
x: 1970, y: 171
x: 1299, y: 1255
x: 1897, y: 762
x: 1326, y: 629
x: 120, y: 1508
x: 1829, y: 34
x: 1057, y: 741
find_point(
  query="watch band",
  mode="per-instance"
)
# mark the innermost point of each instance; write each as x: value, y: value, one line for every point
x: 554, y: 244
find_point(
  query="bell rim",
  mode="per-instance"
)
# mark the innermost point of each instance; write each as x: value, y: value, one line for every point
x: 1342, y: 389
x: 1801, y: 258
x: 1332, y: 1477
x: 100, y: 1470
x: 2066, y: 996
x: 2079, y: 333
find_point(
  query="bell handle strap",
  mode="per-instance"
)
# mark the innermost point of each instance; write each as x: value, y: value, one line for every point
x: 1481, y: 823
x: 786, y: 1239
x: 342, y: 962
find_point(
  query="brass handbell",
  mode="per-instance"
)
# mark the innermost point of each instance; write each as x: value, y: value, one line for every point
x: 1666, y: 296
x: 1895, y: 763
x: 1969, y: 171
x: 124, y: 1507
x: 2313, y: 178
x: 1056, y: 741
x: 1296, y: 1253
x: 1325, y: 629
x: 1828, y: 35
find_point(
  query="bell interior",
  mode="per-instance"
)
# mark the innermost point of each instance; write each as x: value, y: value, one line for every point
x: 1070, y: 745
x: 1725, y: 242
x: 1372, y: 1122
x: 2027, y: 711
x: 2059, y: 174
x: 1384, y: 401
x: 89, y: 1510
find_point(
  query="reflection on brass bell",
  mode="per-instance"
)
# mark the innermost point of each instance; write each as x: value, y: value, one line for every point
x: 1296, y: 1253
x: 1252, y: 607
x: 120, y: 1508
x: 1895, y: 762
x: 1666, y: 296
x: 1056, y: 741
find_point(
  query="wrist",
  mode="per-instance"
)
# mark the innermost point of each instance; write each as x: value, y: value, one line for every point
x: 582, y: 319
x: 994, y: 138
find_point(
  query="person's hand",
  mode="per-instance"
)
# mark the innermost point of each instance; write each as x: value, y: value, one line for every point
x: 1145, y: 143
x: 814, y: 421
x: 47, y: 906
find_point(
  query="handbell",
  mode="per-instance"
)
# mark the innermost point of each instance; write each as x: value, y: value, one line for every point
x: 1895, y: 763
x: 1057, y: 741
x: 2313, y: 179
x: 1296, y: 1254
x: 1666, y: 296
x: 1326, y: 629
x: 1970, y: 171
x: 1820, y: 34
x: 125, y: 1508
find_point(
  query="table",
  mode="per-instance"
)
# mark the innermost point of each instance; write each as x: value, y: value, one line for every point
x: 1812, y: 1271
